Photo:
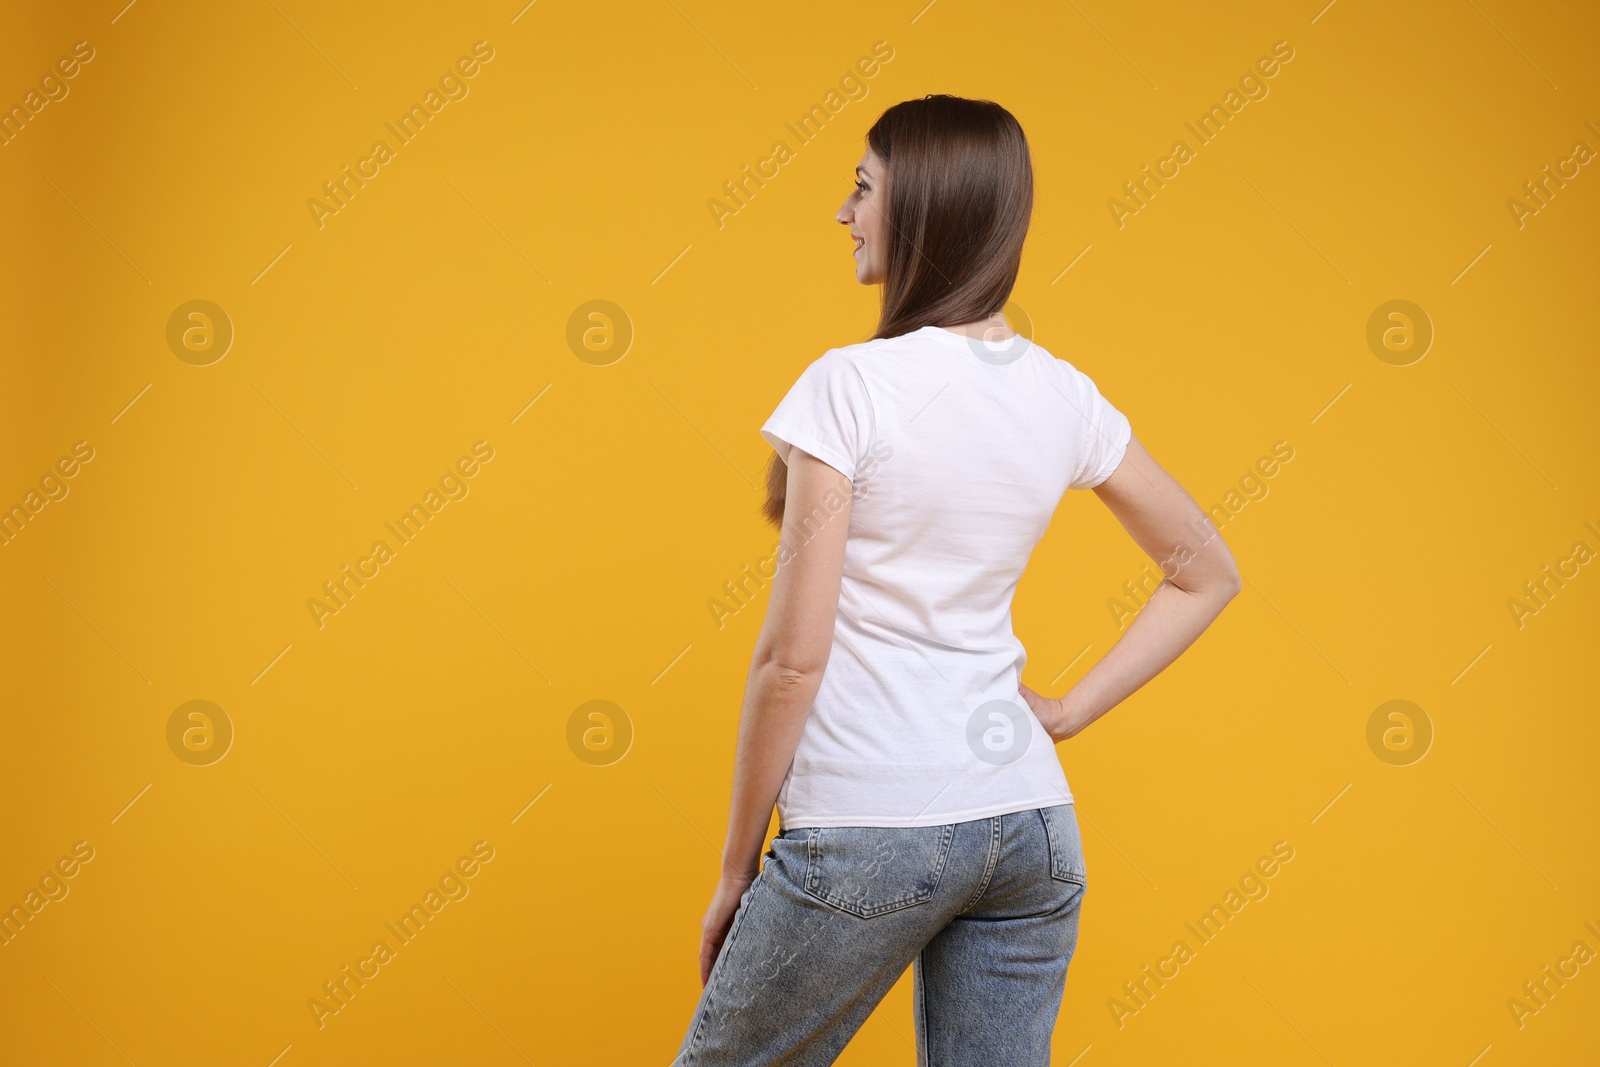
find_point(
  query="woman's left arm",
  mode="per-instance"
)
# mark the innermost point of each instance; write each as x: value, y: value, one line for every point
x: 785, y: 672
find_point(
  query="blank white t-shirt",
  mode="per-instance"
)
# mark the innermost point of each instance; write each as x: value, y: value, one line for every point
x: 959, y: 453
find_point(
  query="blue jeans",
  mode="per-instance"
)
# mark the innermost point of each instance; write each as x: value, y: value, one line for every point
x: 986, y: 910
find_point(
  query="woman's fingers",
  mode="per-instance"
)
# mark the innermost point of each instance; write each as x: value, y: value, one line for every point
x: 714, y: 932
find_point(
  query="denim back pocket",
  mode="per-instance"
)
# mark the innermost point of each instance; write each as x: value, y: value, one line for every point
x: 871, y: 870
x: 1066, y: 845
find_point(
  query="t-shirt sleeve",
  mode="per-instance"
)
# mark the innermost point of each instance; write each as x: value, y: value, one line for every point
x: 1103, y: 431
x: 827, y: 412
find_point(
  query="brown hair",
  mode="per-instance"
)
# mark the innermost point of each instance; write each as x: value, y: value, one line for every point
x: 960, y: 192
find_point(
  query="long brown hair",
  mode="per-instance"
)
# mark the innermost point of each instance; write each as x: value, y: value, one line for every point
x: 960, y: 192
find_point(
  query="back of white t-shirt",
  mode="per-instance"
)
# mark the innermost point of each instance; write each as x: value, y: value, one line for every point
x: 959, y: 452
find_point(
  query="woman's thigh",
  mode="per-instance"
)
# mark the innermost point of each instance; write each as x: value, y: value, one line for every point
x: 988, y: 986
x: 832, y: 920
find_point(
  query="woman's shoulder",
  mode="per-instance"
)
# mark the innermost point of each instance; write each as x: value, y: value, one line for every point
x: 914, y: 349
x: 860, y: 356
x: 871, y: 344
x: 884, y: 352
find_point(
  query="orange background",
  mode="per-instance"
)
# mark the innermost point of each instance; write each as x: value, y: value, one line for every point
x: 431, y: 712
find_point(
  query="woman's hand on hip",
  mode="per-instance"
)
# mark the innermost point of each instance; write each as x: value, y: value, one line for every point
x: 1053, y: 714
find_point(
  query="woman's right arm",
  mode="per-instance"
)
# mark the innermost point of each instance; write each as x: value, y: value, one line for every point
x: 1199, y: 578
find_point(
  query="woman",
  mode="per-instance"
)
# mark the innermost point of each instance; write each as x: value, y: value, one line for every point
x: 924, y: 817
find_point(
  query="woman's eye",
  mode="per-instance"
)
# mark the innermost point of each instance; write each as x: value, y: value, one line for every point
x: 861, y: 187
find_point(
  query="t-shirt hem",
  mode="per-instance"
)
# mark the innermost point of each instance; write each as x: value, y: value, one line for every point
x: 807, y: 443
x: 1124, y: 437
x: 802, y: 820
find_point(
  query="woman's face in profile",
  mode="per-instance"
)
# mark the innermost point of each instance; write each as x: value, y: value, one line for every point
x: 863, y: 213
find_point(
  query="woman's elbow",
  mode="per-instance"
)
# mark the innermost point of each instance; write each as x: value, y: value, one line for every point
x: 792, y: 668
x: 1215, y: 576
x: 1235, y: 583
x: 1229, y: 582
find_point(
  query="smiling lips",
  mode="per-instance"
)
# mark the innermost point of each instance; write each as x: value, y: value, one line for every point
x: 860, y: 241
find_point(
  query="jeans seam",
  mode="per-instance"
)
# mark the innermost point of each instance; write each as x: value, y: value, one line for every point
x: 989, y: 863
x: 924, y: 1057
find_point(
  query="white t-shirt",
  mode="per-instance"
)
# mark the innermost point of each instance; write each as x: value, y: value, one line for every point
x: 959, y: 452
